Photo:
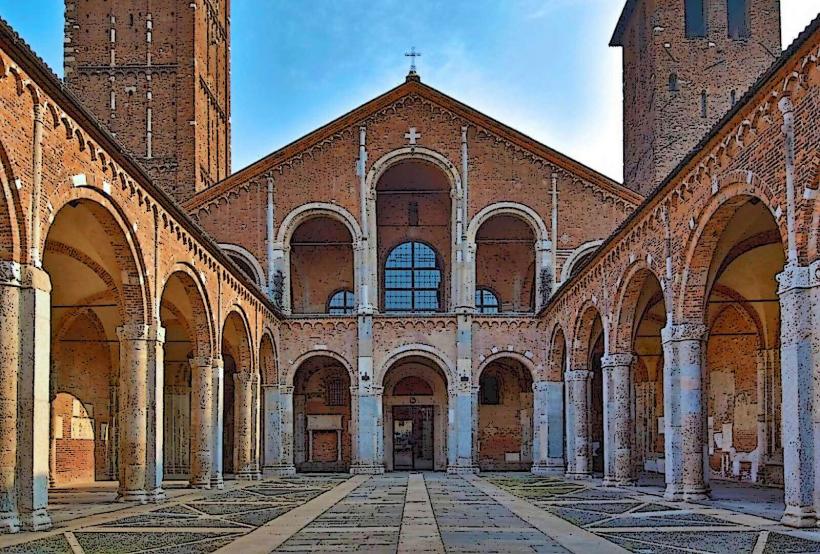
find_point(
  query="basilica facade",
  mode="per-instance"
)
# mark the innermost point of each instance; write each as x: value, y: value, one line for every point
x: 415, y: 285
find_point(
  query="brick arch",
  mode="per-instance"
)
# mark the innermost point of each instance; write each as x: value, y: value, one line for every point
x: 515, y: 209
x: 635, y: 279
x: 202, y: 327
x: 745, y: 309
x: 314, y: 210
x: 582, y: 335
x: 700, y: 249
x: 422, y: 351
x: 412, y: 153
x: 520, y: 358
x: 135, y: 290
x: 65, y: 324
x: 243, y: 355
x: 13, y: 239
x: 557, y: 354
x: 290, y: 374
x: 268, y: 365
x: 578, y: 255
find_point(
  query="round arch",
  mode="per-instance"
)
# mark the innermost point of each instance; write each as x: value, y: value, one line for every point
x: 249, y: 259
x: 634, y: 280
x: 577, y: 255
x: 557, y: 349
x: 290, y: 375
x: 245, y: 354
x: 12, y: 221
x: 515, y: 209
x: 419, y: 350
x: 268, y: 362
x: 195, y: 291
x: 702, y: 243
x: 312, y: 210
x: 133, y: 292
x: 578, y: 351
x: 520, y: 358
x: 412, y: 153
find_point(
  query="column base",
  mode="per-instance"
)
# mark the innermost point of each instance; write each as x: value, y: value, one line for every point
x: 132, y: 496
x: 618, y: 482
x: 157, y: 495
x: 471, y: 469
x: 546, y: 469
x: 217, y: 482
x: 673, y: 492
x: 38, y: 520
x: 578, y: 476
x: 696, y: 492
x: 280, y: 470
x: 799, y: 517
x: 249, y: 475
x: 366, y: 469
x: 9, y: 522
x: 203, y: 483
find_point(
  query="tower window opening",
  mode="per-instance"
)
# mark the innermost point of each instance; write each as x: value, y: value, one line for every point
x: 673, y: 82
x: 704, y: 107
x: 737, y: 18
x: 695, y: 18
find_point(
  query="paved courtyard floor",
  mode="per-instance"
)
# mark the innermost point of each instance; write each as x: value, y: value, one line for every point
x: 411, y: 512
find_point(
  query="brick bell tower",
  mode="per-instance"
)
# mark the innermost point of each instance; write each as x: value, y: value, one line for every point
x: 157, y: 74
x: 685, y: 63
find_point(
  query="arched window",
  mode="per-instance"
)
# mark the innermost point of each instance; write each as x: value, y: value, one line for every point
x: 673, y: 82
x: 341, y: 302
x: 412, y: 279
x: 486, y: 301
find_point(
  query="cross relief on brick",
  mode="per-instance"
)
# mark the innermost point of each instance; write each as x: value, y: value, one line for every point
x: 412, y: 135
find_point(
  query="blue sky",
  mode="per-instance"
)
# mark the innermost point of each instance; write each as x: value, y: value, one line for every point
x: 541, y: 66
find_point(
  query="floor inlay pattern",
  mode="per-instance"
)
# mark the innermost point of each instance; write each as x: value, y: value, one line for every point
x: 646, y: 524
x: 197, y: 526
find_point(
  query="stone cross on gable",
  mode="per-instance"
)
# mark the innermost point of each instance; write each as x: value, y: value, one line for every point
x: 412, y: 135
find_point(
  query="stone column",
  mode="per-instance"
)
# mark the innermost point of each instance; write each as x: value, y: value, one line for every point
x: 463, y: 404
x: 33, y: 407
x: 548, y: 416
x: 10, y: 361
x: 798, y: 364
x: 243, y: 426
x: 685, y: 436
x: 202, y: 421
x: 286, y: 411
x: 617, y: 370
x: 133, y: 412
x: 218, y: 377
x: 155, y: 383
x: 578, y: 385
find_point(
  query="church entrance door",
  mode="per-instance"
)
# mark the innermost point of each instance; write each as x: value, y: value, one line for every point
x: 412, y: 437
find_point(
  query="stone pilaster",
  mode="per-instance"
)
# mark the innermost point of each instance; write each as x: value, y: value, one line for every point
x: 133, y: 412
x: 244, y: 464
x: 10, y: 361
x: 369, y: 420
x: 548, y: 440
x: 579, y: 453
x: 202, y: 421
x: 33, y: 408
x: 463, y: 404
x: 685, y: 434
x: 285, y: 464
x: 798, y: 366
x: 617, y: 373
x: 218, y: 423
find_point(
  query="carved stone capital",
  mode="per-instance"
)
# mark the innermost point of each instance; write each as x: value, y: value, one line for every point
x: 10, y: 274
x: 683, y: 332
x: 578, y: 375
x: 616, y: 360
x: 140, y: 332
x: 540, y: 386
x: 200, y: 362
x: 797, y: 277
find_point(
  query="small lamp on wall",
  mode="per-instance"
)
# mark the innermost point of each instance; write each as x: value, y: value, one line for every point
x: 365, y: 377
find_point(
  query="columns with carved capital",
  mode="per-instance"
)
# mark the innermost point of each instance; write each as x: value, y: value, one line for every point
x: 218, y: 378
x: 618, y: 424
x: 10, y: 362
x: 579, y: 453
x: 685, y: 435
x: 244, y: 462
x: 548, y: 440
x: 133, y: 412
x: 202, y: 421
x: 799, y: 292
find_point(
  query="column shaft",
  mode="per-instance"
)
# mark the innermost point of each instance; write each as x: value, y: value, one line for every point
x: 202, y: 422
x: 133, y: 412
x: 217, y: 418
x: 9, y: 364
x: 578, y: 381
x: 243, y: 426
x: 617, y: 370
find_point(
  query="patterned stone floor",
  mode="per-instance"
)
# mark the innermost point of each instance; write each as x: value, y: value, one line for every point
x: 430, y: 512
x: 645, y: 523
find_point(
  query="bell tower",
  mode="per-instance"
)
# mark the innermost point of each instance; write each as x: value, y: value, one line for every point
x: 685, y: 63
x: 157, y: 74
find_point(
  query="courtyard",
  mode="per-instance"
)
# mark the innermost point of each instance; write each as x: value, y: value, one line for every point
x: 418, y: 512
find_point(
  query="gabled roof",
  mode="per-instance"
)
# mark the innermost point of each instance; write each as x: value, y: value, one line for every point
x: 618, y: 36
x: 413, y: 85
